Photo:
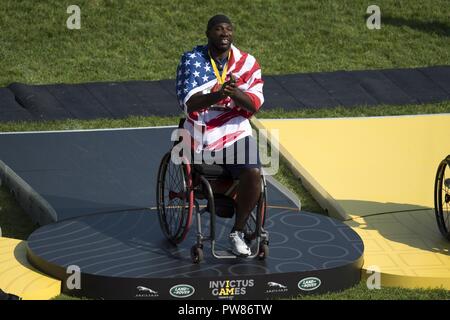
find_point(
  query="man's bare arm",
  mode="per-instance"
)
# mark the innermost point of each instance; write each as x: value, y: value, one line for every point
x: 200, y: 101
x: 240, y: 98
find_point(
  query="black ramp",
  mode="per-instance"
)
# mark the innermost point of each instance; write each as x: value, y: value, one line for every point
x: 117, y: 99
x: 121, y: 253
x: 90, y: 171
x: 440, y: 76
x: 344, y: 88
x: 10, y: 110
x: 276, y: 96
x: 417, y: 85
x: 39, y: 102
x: 78, y: 100
x: 306, y: 91
x: 289, y: 92
x: 169, y: 86
x: 158, y: 101
x: 85, y: 172
x: 382, y: 88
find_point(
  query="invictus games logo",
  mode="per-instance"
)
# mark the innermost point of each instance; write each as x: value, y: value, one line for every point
x: 182, y: 291
x: 228, y: 289
x: 309, y: 284
x: 275, y: 287
x: 144, y: 292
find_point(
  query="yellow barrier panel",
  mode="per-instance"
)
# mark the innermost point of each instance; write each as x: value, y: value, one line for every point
x: 406, y: 247
x: 18, y: 277
x: 365, y: 166
x: 378, y: 174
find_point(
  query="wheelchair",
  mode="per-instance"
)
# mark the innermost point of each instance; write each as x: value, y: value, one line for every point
x: 442, y: 197
x: 179, y: 189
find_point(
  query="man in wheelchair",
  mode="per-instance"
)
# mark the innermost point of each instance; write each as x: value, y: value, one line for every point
x: 219, y: 87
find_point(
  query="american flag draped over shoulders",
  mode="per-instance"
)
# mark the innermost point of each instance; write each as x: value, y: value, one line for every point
x: 225, y: 123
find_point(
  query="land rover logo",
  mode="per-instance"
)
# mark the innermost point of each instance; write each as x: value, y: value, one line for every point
x: 182, y: 291
x: 309, y: 284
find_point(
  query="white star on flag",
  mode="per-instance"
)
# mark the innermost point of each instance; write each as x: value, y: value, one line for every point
x: 192, y: 55
x: 207, y: 68
x: 194, y: 83
x: 188, y: 62
x: 197, y: 64
x: 205, y: 78
x: 196, y: 74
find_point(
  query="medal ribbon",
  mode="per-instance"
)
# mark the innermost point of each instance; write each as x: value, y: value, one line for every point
x: 220, y: 79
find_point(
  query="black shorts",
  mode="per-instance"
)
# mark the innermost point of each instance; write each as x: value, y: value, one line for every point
x: 243, y: 154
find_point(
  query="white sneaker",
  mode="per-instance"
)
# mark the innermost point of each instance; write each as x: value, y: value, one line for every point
x: 238, y: 245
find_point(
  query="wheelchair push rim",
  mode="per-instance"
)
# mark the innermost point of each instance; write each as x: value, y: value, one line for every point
x: 175, y: 199
x: 442, y: 197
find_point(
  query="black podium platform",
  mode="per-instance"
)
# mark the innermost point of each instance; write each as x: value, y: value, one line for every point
x: 93, y: 192
x: 125, y: 256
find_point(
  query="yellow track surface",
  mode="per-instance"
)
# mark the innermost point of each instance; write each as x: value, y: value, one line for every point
x: 377, y: 174
x: 18, y: 277
x: 365, y: 166
x: 406, y: 247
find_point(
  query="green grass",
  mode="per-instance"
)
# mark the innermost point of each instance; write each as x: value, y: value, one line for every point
x: 361, y: 292
x: 285, y: 177
x: 75, y: 124
x: 124, y: 40
x: 141, y: 121
x: 15, y: 223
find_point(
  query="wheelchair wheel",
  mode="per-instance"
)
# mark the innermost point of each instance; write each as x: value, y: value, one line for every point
x: 197, y: 255
x: 442, y: 197
x: 263, y: 251
x: 174, y: 198
x: 260, y: 209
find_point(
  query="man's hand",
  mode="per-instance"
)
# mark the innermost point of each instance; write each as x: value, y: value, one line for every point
x: 231, y: 90
x: 228, y: 86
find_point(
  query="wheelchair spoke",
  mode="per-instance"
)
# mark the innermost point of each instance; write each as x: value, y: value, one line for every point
x: 446, y: 198
x: 173, y: 201
x: 446, y: 209
x: 442, y: 198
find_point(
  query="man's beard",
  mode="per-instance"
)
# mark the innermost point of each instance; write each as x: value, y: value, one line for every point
x: 220, y: 48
